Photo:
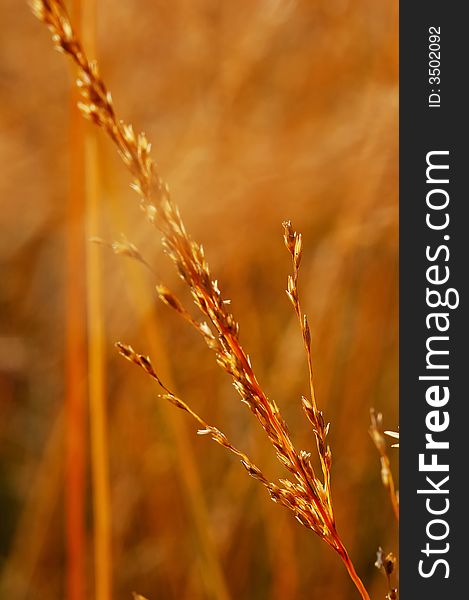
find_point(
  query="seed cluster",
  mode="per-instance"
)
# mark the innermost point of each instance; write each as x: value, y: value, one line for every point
x: 305, y: 494
x: 377, y: 435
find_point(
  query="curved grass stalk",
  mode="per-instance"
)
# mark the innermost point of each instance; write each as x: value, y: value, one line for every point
x: 306, y: 495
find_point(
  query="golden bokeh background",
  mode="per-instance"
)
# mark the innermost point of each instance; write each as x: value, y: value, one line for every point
x: 258, y: 110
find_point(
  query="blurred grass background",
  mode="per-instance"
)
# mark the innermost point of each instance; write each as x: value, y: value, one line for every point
x: 258, y: 111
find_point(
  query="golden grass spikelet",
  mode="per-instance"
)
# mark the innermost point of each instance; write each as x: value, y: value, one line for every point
x: 305, y: 494
x: 386, y: 563
x: 377, y: 435
x: 284, y: 496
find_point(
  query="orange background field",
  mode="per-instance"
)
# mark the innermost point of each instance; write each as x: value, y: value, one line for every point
x: 258, y: 111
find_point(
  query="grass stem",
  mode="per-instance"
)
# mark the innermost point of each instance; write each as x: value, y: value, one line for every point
x: 96, y: 356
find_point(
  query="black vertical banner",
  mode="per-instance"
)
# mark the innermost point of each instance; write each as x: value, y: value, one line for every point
x: 434, y: 268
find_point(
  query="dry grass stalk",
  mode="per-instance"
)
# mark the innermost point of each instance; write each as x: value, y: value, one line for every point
x: 293, y: 242
x: 123, y: 247
x: 97, y: 383
x: 386, y: 563
x: 97, y: 391
x: 305, y: 494
x: 76, y: 397
x: 377, y: 435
